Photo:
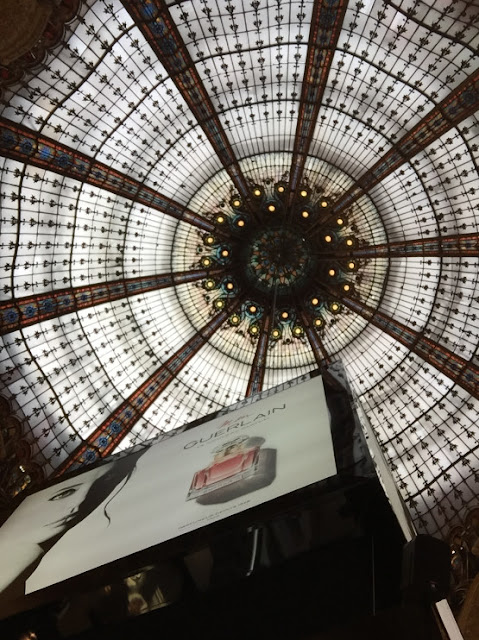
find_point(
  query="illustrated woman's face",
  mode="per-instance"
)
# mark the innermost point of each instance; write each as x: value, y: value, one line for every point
x: 53, y: 510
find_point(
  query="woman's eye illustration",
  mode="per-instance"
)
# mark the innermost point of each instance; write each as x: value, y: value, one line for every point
x: 63, y: 494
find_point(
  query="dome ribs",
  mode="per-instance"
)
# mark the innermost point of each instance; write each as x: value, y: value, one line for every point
x: 326, y: 23
x: 462, y: 102
x: 156, y: 24
x: 23, y: 312
x: 106, y: 437
x: 256, y: 378
x: 463, y: 373
x: 24, y: 145
x: 319, y: 350
x: 458, y: 246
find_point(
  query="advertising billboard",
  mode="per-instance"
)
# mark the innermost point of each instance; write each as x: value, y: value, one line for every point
x: 232, y: 463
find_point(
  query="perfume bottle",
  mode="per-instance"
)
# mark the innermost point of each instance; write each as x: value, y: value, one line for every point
x: 233, y: 461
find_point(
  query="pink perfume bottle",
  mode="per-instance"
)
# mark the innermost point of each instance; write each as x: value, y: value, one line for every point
x: 233, y: 461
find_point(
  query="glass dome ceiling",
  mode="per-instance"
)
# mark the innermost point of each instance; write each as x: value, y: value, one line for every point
x: 132, y: 143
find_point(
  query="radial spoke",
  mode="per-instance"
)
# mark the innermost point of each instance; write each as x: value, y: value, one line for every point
x: 155, y: 22
x: 256, y: 378
x: 463, y: 373
x: 460, y: 104
x: 466, y: 244
x: 23, y: 312
x: 319, y: 350
x: 20, y: 143
x: 111, y: 432
x: 326, y: 23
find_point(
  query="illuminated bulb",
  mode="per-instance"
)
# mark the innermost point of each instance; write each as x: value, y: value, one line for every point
x: 236, y: 203
x: 340, y: 221
x: 220, y: 219
x: 351, y: 265
x: 276, y: 333
x: 210, y: 284
x: 235, y: 319
x: 209, y: 240
x: 334, y: 306
x: 284, y: 315
x: 229, y: 286
x: 271, y: 208
x: 303, y: 193
x: 327, y: 238
x: 349, y: 242
x: 318, y: 322
x: 305, y: 214
x: 254, y: 330
x: 257, y: 192
x: 206, y: 262
x: 225, y: 253
x: 314, y: 301
x: 280, y: 189
x: 346, y: 287
x: 324, y: 203
x: 240, y: 223
x: 332, y: 272
x: 252, y: 309
x: 219, y: 304
x: 297, y: 331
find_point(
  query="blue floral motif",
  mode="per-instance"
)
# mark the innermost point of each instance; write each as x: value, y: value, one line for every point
x: 115, y: 427
x: 63, y: 161
x: 26, y: 146
x: 102, y: 441
x: 10, y: 316
x: 44, y: 152
x: 47, y: 305
x: 90, y: 455
x: 29, y: 311
x: 469, y: 97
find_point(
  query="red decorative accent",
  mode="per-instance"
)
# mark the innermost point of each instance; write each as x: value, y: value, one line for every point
x: 466, y: 244
x: 23, y: 312
x: 133, y: 407
x: 463, y: 373
x: 326, y: 23
x: 154, y: 20
x: 459, y: 104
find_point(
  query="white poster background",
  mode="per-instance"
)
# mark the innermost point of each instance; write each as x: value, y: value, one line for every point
x: 152, y: 507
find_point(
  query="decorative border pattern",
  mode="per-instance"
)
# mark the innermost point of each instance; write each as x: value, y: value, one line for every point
x: 111, y: 432
x: 154, y: 20
x: 460, y: 104
x: 452, y: 246
x: 326, y: 26
x: 462, y: 372
x: 22, y: 144
x: 23, y: 312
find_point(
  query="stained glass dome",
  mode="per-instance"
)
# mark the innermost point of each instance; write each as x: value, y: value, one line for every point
x: 204, y: 199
